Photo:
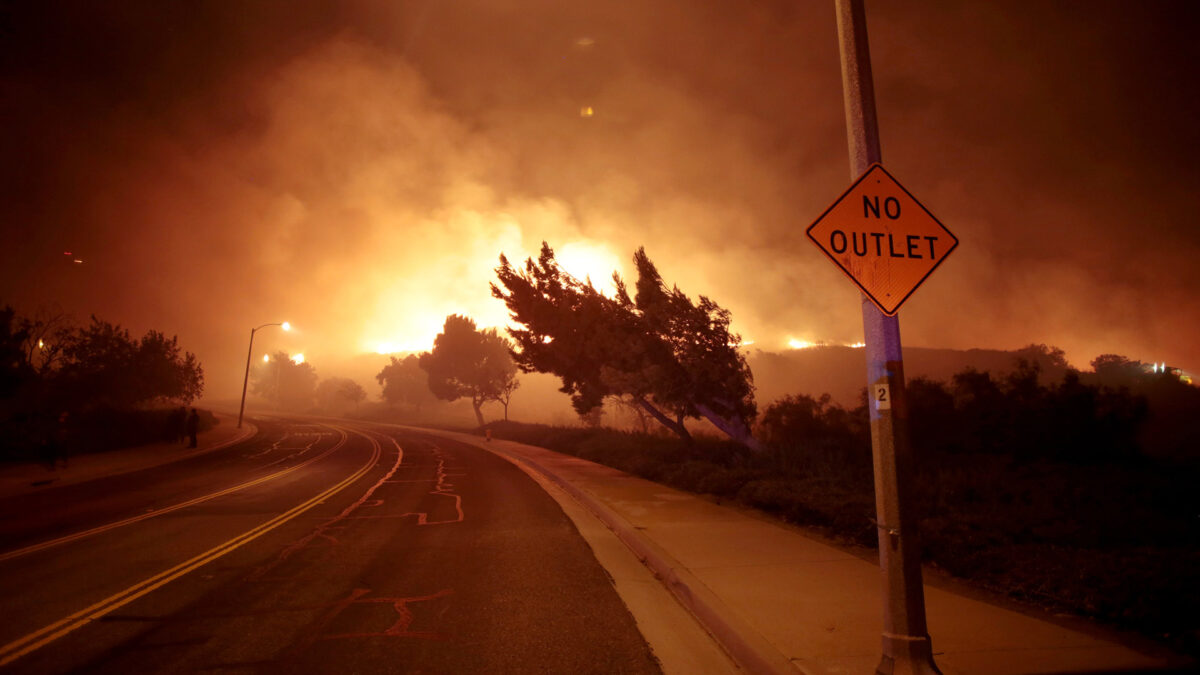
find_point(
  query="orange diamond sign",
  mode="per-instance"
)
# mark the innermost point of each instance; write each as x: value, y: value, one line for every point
x: 882, y: 238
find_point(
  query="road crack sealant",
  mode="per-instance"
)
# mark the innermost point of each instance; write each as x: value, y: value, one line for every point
x: 324, y: 530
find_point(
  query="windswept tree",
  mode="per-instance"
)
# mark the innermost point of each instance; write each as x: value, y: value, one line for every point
x: 165, y: 371
x: 570, y: 329
x: 103, y: 365
x: 468, y: 363
x: 47, y: 334
x: 98, y: 367
x: 405, y: 383
x: 1115, y: 370
x: 705, y: 375
x: 674, y: 358
x: 14, y: 365
x: 338, y: 394
x: 289, y: 384
x: 507, y: 386
x: 98, y: 373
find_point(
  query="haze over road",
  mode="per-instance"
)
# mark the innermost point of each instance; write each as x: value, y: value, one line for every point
x: 312, y: 547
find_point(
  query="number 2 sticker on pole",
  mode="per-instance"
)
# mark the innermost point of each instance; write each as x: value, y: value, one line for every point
x: 883, y: 397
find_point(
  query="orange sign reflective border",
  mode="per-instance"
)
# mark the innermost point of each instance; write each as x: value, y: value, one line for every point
x: 882, y: 238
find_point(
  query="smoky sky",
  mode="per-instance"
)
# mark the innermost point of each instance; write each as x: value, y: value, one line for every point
x: 358, y: 167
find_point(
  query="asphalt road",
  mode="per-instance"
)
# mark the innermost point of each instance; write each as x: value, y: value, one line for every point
x: 313, y: 547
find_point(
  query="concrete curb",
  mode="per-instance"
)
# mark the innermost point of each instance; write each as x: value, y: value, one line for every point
x: 748, y: 649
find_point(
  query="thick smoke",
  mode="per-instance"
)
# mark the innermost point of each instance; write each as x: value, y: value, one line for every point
x: 358, y: 168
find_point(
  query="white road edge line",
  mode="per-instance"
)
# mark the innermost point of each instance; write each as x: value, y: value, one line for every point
x: 33, y: 548
x: 43, y: 636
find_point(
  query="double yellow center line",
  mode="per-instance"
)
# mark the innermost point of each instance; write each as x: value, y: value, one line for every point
x: 39, y: 638
x: 168, y: 509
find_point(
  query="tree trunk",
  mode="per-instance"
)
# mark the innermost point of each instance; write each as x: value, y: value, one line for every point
x: 733, y: 427
x: 675, y: 426
x: 477, y: 404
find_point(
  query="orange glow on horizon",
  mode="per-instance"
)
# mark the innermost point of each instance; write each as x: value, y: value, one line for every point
x: 409, y: 311
x: 587, y: 260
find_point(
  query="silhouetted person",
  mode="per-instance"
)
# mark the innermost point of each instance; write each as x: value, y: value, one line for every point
x: 193, y: 427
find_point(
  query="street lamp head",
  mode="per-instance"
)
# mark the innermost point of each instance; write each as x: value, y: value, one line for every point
x: 266, y: 359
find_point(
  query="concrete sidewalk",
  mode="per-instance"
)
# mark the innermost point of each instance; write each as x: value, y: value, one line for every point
x: 26, y: 477
x: 780, y: 601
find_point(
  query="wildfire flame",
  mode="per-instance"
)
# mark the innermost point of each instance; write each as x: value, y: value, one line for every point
x: 414, y: 328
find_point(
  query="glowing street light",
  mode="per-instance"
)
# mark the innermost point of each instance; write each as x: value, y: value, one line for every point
x: 246, y: 380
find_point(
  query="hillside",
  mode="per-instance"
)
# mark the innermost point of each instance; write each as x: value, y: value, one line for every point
x: 842, y: 371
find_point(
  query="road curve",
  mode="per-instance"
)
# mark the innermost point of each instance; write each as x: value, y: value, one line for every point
x: 314, y: 547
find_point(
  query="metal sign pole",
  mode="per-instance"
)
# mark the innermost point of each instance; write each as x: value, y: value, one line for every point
x: 906, y: 644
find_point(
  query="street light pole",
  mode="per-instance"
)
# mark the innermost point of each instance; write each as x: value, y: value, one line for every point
x: 906, y: 644
x: 249, y: 352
